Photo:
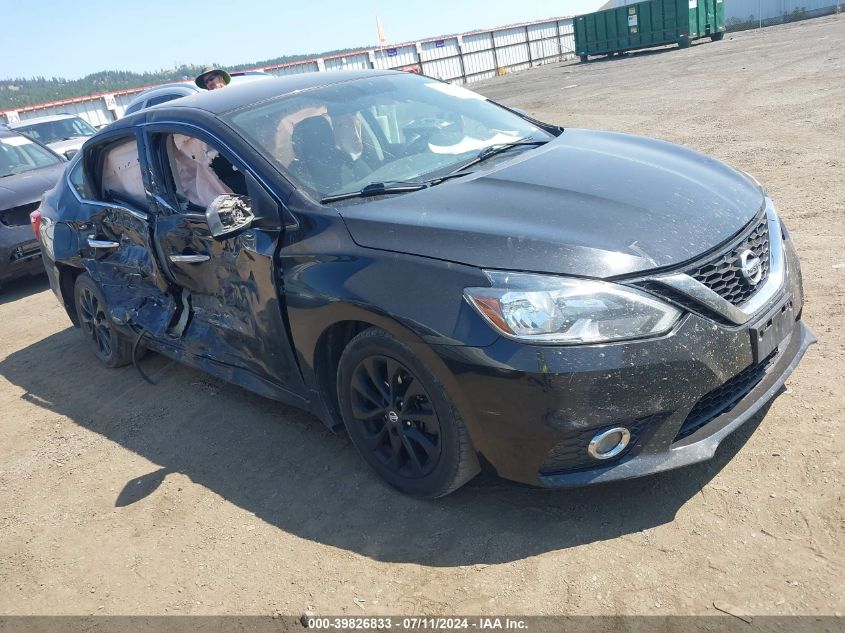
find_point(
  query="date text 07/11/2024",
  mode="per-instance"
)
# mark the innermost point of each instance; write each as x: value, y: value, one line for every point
x: 414, y: 623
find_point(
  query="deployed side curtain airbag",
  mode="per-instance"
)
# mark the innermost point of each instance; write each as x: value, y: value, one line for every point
x: 122, y: 174
x: 190, y: 162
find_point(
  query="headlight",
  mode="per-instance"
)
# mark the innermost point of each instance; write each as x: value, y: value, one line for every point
x: 543, y: 309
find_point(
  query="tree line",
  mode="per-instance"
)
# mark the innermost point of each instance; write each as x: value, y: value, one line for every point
x: 19, y: 92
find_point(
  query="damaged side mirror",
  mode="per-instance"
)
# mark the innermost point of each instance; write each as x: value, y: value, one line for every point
x: 228, y: 215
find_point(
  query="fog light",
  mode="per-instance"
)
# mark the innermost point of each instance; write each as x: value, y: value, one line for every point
x: 609, y: 443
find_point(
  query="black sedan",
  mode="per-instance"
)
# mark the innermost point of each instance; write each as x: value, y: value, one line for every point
x: 453, y: 283
x: 27, y: 170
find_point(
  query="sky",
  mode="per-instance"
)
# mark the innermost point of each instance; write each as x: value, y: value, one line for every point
x: 57, y: 38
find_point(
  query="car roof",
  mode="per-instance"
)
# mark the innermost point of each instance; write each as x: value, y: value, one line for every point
x: 173, y: 88
x: 41, y: 119
x: 220, y: 101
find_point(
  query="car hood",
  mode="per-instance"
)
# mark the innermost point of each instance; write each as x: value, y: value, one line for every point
x: 60, y: 147
x: 593, y: 204
x: 29, y: 186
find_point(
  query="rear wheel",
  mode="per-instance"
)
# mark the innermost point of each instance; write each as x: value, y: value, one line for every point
x: 583, y: 58
x: 400, y: 418
x: 716, y: 37
x: 114, y: 349
x: 684, y: 42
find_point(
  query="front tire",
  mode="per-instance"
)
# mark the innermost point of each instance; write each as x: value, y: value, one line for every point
x: 111, y: 347
x: 400, y: 418
x: 717, y: 37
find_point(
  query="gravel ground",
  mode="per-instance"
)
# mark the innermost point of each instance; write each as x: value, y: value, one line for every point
x: 196, y: 497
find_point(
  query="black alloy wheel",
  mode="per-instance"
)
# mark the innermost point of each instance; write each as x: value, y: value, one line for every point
x: 94, y: 322
x: 397, y: 419
x: 401, y: 419
x: 109, y: 346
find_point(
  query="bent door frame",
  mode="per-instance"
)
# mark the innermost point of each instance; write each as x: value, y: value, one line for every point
x: 238, y: 317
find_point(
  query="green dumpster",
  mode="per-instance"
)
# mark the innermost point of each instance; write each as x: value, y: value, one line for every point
x: 647, y: 24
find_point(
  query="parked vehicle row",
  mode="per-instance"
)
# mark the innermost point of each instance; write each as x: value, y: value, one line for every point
x: 455, y: 284
x: 66, y: 133
x: 63, y: 133
x: 27, y: 170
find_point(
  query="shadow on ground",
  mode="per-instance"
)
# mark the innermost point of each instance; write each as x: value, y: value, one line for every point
x: 285, y: 467
x: 645, y: 52
x: 19, y: 288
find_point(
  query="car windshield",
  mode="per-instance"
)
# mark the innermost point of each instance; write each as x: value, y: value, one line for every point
x: 51, y: 131
x: 388, y: 129
x: 18, y: 154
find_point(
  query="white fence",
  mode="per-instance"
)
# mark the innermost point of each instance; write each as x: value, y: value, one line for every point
x: 457, y: 59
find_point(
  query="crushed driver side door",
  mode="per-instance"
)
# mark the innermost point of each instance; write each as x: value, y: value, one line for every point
x: 229, y: 285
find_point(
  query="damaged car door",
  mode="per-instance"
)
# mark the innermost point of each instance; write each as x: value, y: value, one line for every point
x: 114, y: 235
x: 224, y: 276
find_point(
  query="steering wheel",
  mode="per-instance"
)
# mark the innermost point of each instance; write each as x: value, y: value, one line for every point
x: 420, y: 132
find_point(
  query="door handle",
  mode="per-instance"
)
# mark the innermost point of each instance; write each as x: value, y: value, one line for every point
x: 95, y: 243
x: 194, y: 258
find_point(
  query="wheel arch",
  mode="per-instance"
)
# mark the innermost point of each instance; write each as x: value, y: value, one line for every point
x: 326, y: 356
x: 324, y: 334
x: 433, y: 437
x: 331, y: 337
x: 67, y: 281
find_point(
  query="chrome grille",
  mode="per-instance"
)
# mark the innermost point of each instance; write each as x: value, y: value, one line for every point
x: 723, y: 274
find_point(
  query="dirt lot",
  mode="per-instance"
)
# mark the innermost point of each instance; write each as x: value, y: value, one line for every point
x: 193, y: 496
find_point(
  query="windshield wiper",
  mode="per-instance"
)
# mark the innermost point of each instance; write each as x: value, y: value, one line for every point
x: 498, y: 148
x: 377, y: 189
x: 385, y: 188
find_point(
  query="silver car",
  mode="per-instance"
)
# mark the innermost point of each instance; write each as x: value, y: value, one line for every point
x: 62, y: 133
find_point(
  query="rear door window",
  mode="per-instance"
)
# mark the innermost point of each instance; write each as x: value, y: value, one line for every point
x: 133, y: 108
x: 161, y: 99
x: 121, y: 174
x: 80, y: 181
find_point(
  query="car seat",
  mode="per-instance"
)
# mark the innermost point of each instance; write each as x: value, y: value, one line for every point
x: 317, y: 161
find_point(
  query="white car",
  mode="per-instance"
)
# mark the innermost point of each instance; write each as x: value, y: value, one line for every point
x: 62, y: 133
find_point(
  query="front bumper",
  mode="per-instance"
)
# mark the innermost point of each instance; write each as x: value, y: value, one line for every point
x: 532, y: 410
x: 701, y: 445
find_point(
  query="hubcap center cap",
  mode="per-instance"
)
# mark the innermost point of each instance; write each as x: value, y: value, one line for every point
x: 393, y: 417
